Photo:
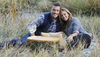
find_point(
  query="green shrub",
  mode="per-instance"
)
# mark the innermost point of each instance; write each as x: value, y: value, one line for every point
x: 90, y: 7
x: 85, y: 6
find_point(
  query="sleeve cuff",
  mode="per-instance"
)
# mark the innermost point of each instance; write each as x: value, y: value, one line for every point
x: 76, y: 31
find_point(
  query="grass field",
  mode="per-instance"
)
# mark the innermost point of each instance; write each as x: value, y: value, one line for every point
x: 13, y: 29
x: 13, y: 26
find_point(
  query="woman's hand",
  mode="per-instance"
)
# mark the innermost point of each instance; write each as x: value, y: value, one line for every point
x: 70, y: 38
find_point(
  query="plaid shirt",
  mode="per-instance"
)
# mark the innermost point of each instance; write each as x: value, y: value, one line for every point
x: 39, y: 21
x: 52, y: 27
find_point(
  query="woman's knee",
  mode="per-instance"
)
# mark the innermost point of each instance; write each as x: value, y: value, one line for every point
x: 87, y: 39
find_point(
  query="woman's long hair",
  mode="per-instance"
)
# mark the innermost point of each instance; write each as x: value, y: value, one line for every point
x: 68, y: 22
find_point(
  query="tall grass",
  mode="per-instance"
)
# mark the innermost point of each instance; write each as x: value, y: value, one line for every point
x: 90, y: 7
x: 14, y: 29
x: 43, y: 5
x: 85, y: 6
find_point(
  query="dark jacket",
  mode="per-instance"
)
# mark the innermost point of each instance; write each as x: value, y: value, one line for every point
x: 46, y: 24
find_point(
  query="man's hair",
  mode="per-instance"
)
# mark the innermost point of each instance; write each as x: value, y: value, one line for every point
x: 55, y: 4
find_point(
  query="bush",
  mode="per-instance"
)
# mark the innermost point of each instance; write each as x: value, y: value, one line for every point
x: 85, y: 6
x: 89, y: 7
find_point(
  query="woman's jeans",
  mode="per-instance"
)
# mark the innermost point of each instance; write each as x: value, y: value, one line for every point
x: 84, y: 39
x: 13, y: 42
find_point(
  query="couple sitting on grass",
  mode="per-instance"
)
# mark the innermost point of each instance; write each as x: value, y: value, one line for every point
x: 57, y: 20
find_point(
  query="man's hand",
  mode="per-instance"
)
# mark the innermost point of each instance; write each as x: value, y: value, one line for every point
x: 32, y: 34
x: 32, y: 29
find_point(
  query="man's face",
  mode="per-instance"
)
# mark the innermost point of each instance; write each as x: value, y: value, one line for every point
x: 55, y: 10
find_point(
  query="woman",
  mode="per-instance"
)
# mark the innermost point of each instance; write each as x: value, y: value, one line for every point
x: 72, y: 27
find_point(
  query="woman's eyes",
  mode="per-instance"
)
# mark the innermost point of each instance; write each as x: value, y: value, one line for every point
x: 64, y: 14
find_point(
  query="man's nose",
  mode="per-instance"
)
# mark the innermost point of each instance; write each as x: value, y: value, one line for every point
x: 55, y: 11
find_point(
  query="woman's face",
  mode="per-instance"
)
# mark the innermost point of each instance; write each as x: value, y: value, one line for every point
x: 64, y: 15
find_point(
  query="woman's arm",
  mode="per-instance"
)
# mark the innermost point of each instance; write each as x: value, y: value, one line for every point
x: 70, y: 37
x: 75, y: 28
x: 74, y: 34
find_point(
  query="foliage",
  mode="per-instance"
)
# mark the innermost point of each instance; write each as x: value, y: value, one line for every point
x: 15, y: 28
x: 90, y: 7
x: 85, y: 6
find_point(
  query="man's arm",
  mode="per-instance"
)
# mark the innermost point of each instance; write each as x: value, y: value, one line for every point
x: 38, y: 22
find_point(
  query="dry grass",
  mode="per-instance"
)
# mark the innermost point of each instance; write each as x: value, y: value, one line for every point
x: 13, y: 27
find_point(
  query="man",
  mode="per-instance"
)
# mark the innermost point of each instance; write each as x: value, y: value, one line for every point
x: 49, y: 22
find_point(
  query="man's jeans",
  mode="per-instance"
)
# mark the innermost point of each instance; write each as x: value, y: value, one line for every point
x: 13, y: 42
